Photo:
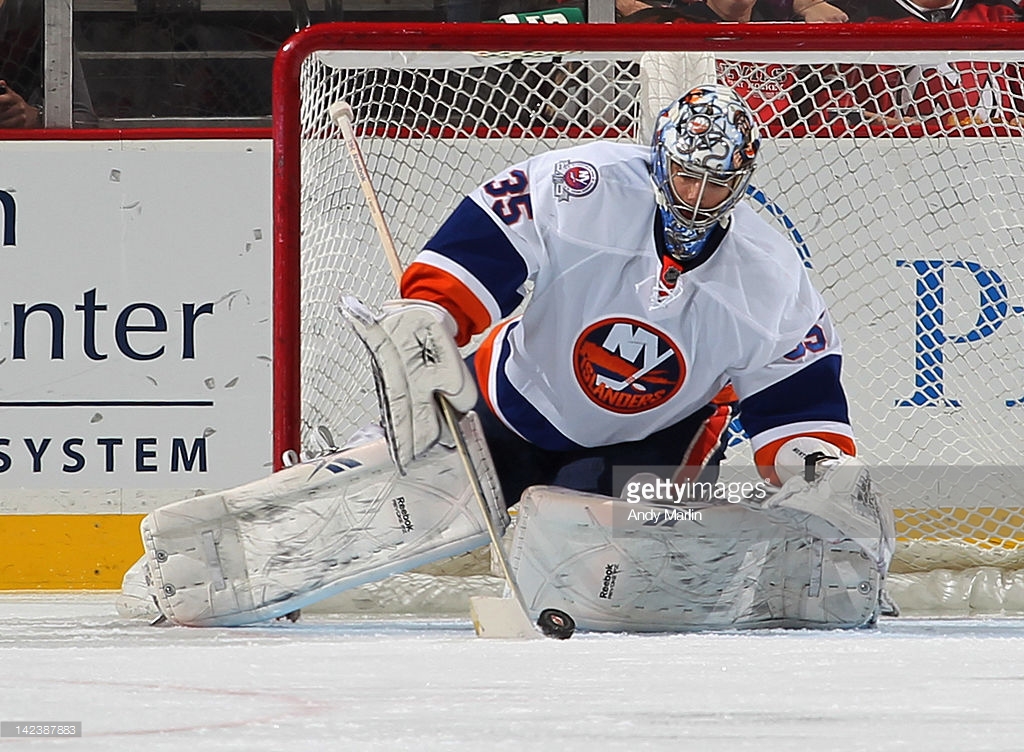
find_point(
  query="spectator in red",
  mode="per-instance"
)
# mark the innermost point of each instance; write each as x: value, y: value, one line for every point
x: 935, y: 11
x: 948, y: 94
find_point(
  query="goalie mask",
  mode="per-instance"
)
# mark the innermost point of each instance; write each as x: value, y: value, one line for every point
x: 707, y: 134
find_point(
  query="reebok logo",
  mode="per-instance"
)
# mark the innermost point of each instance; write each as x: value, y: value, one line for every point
x: 611, y: 573
x: 404, y: 521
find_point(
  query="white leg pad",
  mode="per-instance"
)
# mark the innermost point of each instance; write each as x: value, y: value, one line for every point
x: 134, y: 600
x: 615, y: 566
x: 312, y: 530
x: 840, y: 503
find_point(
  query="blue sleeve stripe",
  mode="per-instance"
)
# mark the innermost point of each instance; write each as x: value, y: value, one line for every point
x: 813, y: 393
x: 515, y: 411
x: 472, y: 239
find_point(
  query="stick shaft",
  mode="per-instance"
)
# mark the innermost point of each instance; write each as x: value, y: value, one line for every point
x: 386, y: 239
x: 344, y: 120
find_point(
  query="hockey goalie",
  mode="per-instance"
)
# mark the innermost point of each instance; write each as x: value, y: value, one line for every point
x: 661, y: 305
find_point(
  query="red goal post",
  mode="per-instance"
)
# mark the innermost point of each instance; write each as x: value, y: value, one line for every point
x: 892, y: 158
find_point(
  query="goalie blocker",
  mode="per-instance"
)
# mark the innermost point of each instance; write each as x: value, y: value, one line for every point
x: 812, y: 555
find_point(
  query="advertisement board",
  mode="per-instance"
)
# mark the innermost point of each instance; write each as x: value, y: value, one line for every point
x: 135, y: 314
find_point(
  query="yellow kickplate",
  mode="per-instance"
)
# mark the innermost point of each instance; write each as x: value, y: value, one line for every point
x: 67, y: 551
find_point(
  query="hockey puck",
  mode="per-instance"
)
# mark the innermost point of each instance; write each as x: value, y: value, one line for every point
x: 555, y: 623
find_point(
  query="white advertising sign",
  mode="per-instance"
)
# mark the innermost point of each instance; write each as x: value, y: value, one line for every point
x: 135, y: 313
x: 921, y: 268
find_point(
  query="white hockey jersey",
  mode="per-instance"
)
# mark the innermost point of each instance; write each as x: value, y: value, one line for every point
x: 618, y: 341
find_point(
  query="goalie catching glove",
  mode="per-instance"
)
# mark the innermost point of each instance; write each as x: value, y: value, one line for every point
x: 414, y: 359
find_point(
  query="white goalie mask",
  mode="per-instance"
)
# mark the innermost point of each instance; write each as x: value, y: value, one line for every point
x: 708, y: 134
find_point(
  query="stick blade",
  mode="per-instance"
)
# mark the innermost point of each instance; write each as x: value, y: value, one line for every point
x: 501, y: 618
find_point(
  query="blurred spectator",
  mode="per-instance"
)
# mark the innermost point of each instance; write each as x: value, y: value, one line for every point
x: 811, y: 11
x: 815, y: 11
x: 489, y: 10
x: 961, y: 11
x: 21, y: 69
x: 947, y: 94
x: 783, y: 97
x: 737, y: 11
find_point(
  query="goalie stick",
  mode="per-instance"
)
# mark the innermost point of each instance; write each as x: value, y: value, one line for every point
x: 492, y: 616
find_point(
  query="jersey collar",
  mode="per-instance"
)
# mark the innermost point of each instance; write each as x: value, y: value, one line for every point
x: 667, y: 285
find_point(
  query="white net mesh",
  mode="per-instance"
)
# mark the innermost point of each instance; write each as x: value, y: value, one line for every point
x: 897, y: 175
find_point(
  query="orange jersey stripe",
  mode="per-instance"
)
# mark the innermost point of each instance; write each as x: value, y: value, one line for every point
x: 725, y: 396
x: 704, y: 444
x: 425, y: 282
x: 764, y: 457
x: 484, y: 360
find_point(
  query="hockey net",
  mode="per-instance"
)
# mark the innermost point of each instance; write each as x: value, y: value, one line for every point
x: 891, y: 157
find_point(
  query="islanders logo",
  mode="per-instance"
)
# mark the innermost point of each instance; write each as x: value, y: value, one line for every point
x: 627, y: 366
x: 573, y: 179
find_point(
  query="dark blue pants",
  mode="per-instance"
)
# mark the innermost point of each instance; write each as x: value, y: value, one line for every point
x: 520, y: 464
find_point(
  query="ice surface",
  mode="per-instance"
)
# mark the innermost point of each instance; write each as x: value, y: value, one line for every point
x: 343, y: 683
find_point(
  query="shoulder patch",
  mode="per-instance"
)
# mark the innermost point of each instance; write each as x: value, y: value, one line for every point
x: 574, y: 179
